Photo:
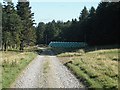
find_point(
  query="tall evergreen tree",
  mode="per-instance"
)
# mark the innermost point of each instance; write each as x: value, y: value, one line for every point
x: 28, y: 33
x: 50, y: 32
x: 12, y: 27
x: 40, y: 33
x: 84, y: 13
x: 92, y: 12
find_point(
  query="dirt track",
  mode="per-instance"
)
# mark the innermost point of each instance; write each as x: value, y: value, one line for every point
x: 46, y: 71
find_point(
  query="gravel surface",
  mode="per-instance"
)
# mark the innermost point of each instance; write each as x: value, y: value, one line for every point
x: 46, y: 71
x: 29, y: 78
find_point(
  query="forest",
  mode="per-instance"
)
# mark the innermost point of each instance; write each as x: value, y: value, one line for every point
x: 28, y: 61
x: 95, y: 26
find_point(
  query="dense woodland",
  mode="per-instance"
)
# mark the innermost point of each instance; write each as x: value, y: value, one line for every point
x: 95, y: 26
x: 18, y: 28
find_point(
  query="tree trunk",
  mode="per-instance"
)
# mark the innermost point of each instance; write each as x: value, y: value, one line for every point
x: 5, y: 47
x: 21, y: 45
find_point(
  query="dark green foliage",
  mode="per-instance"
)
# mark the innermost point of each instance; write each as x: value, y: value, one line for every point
x: 48, y: 32
x: 11, y: 26
x: 104, y: 24
x: 17, y: 25
x: 83, y: 15
x: 28, y: 33
x: 40, y: 33
x: 95, y: 27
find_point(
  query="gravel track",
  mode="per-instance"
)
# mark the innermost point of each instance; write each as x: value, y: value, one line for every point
x: 31, y: 75
x: 46, y: 71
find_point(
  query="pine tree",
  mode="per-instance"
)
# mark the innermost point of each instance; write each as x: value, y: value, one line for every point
x: 49, y: 32
x: 92, y: 12
x: 28, y: 33
x: 12, y: 27
x: 40, y: 33
x: 84, y: 13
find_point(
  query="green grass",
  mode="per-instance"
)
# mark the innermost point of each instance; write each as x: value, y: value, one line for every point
x: 13, y: 64
x: 84, y: 77
x: 69, y: 54
x: 46, y: 66
x: 95, y: 68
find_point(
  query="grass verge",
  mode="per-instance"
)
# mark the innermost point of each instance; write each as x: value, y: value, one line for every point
x: 12, y: 64
x: 83, y: 77
x: 96, y: 69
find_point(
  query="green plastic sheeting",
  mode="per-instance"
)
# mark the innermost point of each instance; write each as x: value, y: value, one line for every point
x: 67, y: 44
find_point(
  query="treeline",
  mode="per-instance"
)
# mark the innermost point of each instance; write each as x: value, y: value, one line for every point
x: 96, y: 27
x: 17, y: 25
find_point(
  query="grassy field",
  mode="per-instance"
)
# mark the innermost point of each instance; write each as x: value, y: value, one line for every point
x: 96, y: 69
x: 13, y: 62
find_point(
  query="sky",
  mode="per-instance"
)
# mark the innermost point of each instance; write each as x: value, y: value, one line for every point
x: 63, y: 10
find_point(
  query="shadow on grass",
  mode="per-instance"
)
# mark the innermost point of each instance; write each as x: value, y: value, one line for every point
x: 95, y: 48
x: 57, y: 51
x: 85, y: 49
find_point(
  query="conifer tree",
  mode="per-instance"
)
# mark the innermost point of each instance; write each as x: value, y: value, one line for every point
x: 84, y: 13
x: 28, y: 33
x: 11, y: 24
